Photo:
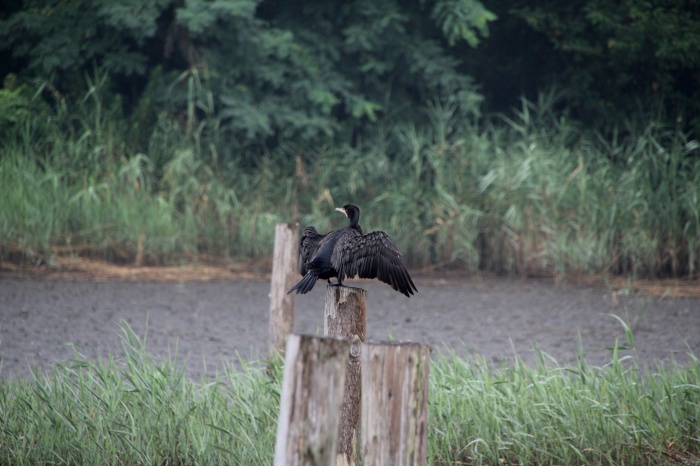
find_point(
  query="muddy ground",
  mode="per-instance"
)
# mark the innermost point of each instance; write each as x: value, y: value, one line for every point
x: 42, y: 322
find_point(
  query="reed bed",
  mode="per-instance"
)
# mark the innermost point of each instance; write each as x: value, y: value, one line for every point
x: 527, y: 193
x: 130, y: 408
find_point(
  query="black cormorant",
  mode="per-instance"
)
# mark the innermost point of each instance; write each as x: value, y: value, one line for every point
x: 346, y: 252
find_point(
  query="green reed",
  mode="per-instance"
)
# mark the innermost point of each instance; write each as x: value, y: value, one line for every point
x: 527, y: 193
x: 133, y: 408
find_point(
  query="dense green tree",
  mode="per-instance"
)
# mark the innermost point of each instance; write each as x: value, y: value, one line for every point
x: 261, y: 74
x: 613, y: 60
x: 265, y: 75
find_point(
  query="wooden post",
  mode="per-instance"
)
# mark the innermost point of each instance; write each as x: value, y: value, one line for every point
x: 345, y: 316
x: 284, y: 273
x: 395, y: 403
x: 312, y: 394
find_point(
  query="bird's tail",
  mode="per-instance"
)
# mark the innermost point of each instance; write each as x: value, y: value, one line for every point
x: 304, y: 285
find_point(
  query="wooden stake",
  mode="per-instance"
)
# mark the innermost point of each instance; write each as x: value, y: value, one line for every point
x: 312, y: 394
x: 395, y: 403
x: 284, y: 273
x: 345, y: 316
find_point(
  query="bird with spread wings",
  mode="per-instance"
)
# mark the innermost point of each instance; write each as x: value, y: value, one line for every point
x: 347, y: 253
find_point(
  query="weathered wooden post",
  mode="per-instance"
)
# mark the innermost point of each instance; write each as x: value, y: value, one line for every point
x: 312, y: 394
x: 395, y: 403
x: 284, y: 274
x: 345, y: 316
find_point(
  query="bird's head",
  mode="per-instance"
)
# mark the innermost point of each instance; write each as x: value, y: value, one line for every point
x: 352, y: 212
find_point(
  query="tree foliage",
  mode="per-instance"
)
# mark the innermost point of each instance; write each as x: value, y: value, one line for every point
x: 262, y: 74
x: 214, y: 115
x: 620, y: 58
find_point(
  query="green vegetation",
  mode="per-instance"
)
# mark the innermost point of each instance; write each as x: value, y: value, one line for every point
x: 132, y: 409
x: 156, y: 134
x: 531, y: 193
x: 274, y: 76
x: 620, y: 58
x: 287, y: 76
x: 135, y: 410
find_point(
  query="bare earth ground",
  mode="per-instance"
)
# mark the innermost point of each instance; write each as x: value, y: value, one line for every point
x: 212, y: 314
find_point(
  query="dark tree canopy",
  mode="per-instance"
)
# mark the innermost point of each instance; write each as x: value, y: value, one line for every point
x: 612, y: 59
x: 268, y: 71
x: 273, y: 74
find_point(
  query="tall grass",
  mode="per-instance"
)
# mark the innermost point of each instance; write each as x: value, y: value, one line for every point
x: 529, y: 193
x: 133, y: 409
x: 70, y: 183
x: 563, y: 415
x: 136, y: 410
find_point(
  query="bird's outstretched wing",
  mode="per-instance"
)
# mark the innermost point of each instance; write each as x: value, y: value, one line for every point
x: 310, y: 240
x: 373, y: 255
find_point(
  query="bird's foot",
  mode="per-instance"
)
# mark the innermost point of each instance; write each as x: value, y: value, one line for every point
x: 330, y: 283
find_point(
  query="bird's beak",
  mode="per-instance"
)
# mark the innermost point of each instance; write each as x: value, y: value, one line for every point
x: 340, y: 209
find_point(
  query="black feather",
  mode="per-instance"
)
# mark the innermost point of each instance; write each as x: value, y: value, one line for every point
x: 347, y: 253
